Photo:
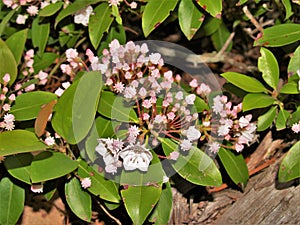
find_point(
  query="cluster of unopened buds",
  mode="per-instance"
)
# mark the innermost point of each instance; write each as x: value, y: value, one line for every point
x: 164, y: 109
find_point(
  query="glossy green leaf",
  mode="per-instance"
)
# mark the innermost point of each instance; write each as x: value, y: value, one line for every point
x: 288, y: 8
x: 214, y: 8
x: 200, y: 104
x: 290, y: 88
x: 295, y: 116
x: 104, y: 127
x: 16, y: 44
x: 155, y: 13
x: 28, y: 105
x: 279, y: 35
x: 267, y: 64
x: 294, y: 63
x: 220, y: 37
x: 256, y: 101
x: 76, y: 109
x: 5, y: 20
x: 50, y: 9
x: 265, y: 120
x: 19, y: 166
x: 40, y: 34
x: 235, y: 166
x: 195, y: 166
x: 190, y: 18
x: 163, y: 209
x: 281, y: 119
x: 73, y: 8
x: 79, y: 201
x: 99, y: 23
x: 19, y: 141
x: 7, y: 63
x: 211, y: 25
x: 290, y: 165
x: 140, y: 201
x: 91, y: 143
x: 49, y: 165
x: 101, y: 186
x: 112, y: 106
x: 116, y: 13
x: 41, y: 63
x: 244, y: 82
x: 12, y: 200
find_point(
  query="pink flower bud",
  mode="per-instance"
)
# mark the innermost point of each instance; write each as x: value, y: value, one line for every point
x: 6, y: 78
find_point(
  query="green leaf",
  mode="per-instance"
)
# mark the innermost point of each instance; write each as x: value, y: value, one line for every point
x: 49, y: 165
x: 288, y: 8
x: 294, y: 63
x: 163, y: 209
x: 99, y: 23
x: 12, y: 200
x: 295, y: 116
x: 195, y: 166
x: 235, y: 166
x: 241, y: 2
x: 256, y: 101
x: 73, y: 8
x: 200, y: 104
x: 102, y: 187
x: 267, y: 64
x: 40, y: 34
x: 51, y: 9
x: 16, y: 44
x: 211, y: 25
x: 212, y: 7
x: 220, y: 37
x: 190, y: 18
x: 112, y: 106
x: 18, y: 141
x: 290, y: 88
x: 76, y: 109
x: 41, y: 63
x: 155, y: 13
x: 91, y: 143
x: 244, y: 82
x: 140, y: 201
x: 281, y: 119
x: 5, y: 20
x: 28, y: 105
x: 265, y: 120
x: 104, y: 127
x: 79, y: 201
x: 19, y: 166
x: 290, y: 165
x: 7, y: 63
x: 279, y: 35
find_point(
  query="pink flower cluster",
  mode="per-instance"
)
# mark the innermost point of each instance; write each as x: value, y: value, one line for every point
x: 239, y: 131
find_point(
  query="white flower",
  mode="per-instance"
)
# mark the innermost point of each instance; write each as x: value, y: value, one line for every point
x: 136, y: 157
x: 223, y: 130
x: 179, y: 95
x: 21, y: 19
x: 192, y: 133
x: 32, y: 10
x: 193, y: 83
x: 154, y: 58
x: 296, y: 128
x: 83, y: 16
x: 214, y: 147
x: 86, y: 182
x: 9, y: 118
x: 244, y: 121
x: 129, y: 92
x: 190, y: 99
x: 185, y: 145
x: 49, y: 141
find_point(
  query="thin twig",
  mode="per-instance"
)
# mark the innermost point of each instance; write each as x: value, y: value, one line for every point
x: 227, y: 43
x: 252, y: 19
x: 107, y: 213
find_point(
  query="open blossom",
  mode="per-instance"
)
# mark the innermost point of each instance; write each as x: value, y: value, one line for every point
x: 190, y: 99
x: 9, y: 118
x: 86, y: 182
x: 193, y: 83
x: 244, y: 121
x: 192, y: 133
x: 133, y: 5
x: 6, y: 107
x: 203, y: 90
x: 154, y: 58
x: 296, y: 127
x: 114, y: 2
x: 49, y: 141
x: 174, y: 155
x: 136, y: 157
x: 186, y: 145
x: 133, y: 131
x: 32, y: 10
x: 71, y: 54
x: 21, y: 19
x: 83, y: 16
x: 214, y: 147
